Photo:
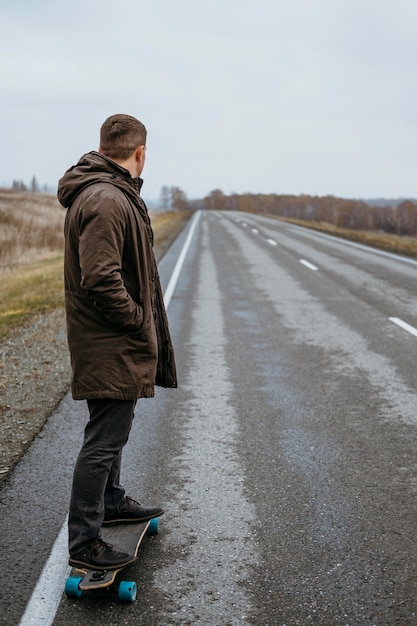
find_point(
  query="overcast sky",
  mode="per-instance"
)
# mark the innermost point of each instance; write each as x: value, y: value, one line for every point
x: 272, y: 96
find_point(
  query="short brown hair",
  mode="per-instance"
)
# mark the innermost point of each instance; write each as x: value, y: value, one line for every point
x: 120, y: 135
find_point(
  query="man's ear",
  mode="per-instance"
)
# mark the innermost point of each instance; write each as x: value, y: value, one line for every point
x: 140, y: 152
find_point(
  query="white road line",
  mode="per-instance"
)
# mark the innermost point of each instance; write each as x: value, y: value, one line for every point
x: 404, y: 325
x: 359, y: 246
x: 255, y: 230
x: 47, y: 594
x: 272, y: 242
x: 177, y: 269
x: 309, y: 265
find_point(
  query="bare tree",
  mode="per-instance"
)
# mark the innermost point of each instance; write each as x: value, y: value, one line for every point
x: 34, y: 186
x: 179, y: 200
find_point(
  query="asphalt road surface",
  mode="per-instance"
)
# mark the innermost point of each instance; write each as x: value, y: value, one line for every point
x: 285, y: 461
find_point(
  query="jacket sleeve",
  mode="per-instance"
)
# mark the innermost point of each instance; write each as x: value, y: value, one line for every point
x: 102, y: 235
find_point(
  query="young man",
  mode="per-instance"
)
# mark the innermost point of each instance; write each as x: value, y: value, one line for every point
x: 117, y: 327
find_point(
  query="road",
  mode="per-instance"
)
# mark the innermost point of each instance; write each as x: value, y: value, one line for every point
x: 285, y: 460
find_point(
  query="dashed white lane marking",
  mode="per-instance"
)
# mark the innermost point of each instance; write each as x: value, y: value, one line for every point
x: 272, y: 242
x: 255, y: 230
x: 361, y: 246
x: 404, y: 325
x: 309, y: 265
x: 47, y: 594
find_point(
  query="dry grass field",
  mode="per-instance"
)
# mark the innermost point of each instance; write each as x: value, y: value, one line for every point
x: 31, y: 227
x: 31, y: 254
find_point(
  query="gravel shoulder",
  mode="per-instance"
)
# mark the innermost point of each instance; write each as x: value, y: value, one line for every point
x: 35, y: 374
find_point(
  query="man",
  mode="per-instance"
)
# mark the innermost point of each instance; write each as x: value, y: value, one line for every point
x: 117, y: 328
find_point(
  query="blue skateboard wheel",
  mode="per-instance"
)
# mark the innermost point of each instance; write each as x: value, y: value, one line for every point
x: 72, y: 588
x: 127, y: 591
x: 153, y: 526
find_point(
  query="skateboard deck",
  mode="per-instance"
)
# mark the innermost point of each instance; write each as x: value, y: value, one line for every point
x: 125, y: 537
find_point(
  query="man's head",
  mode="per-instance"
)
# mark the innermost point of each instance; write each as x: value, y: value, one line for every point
x: 123, y: 139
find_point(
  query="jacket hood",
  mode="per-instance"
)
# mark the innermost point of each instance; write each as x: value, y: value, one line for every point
x: 92, y: 168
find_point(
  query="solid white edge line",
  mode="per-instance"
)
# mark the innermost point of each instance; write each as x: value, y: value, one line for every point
x: 353, y: 244
x: 177, y: 269
x: 404, y: 325
x: 309, y: 265
x: 46, y: 596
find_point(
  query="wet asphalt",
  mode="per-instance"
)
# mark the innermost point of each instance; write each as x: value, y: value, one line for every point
x: 285, y: 460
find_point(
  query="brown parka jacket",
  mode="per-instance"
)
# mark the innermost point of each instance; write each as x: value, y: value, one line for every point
x: 117, y: 325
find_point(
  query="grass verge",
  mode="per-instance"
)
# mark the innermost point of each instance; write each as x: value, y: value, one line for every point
x: 30, y: 290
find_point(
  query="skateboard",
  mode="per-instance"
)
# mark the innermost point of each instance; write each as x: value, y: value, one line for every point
x: 126, y: 537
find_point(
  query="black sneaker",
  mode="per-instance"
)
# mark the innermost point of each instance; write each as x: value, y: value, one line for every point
x: 101, y: 555
x: 132, y: 512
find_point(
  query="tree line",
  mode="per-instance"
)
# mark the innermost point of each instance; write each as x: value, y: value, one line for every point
x: 400, y: 219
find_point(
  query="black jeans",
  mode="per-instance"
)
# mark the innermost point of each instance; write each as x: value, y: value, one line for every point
x: 96, y: 488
